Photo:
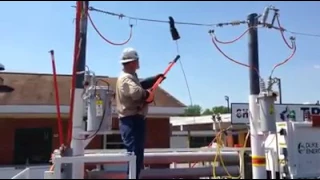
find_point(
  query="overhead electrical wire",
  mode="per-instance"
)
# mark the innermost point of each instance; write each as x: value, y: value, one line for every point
x: 130, y: 36
x: 232, y: 41
x: 184, y: 75
x: 285, y: 61
x: 104, y: 38
x: 282, y: 34
x: 303, y: 34
x: 121, y: 16
x: 213, y: 38
x: 175, y: 37
x: 232, y: 23
x: 292, y: 46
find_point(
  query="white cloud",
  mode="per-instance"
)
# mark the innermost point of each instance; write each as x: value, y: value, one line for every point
x: 316, y: 66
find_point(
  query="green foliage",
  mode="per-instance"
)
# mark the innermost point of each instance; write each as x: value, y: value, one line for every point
x: 220, y: 109
x: 196, y: 110
x: 207, y: 112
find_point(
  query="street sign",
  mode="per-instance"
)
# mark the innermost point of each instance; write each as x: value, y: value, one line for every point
x: 240, y: 112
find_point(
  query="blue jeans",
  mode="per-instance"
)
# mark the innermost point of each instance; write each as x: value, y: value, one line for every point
x: 133, y: 129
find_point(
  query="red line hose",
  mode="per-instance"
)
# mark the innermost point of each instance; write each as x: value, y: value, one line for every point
x: 228, y: 57
x: 286, y: 60
x: 57, y: 98
x: 282, y: 35
x: 104, y: 38
x: 76, y: 55
x: 292, y: 46
x: 230, y: 42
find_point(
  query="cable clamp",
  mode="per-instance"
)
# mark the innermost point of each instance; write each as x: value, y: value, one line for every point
x: 211, y: 31
x: 132, y: 24
x: 292, y: 38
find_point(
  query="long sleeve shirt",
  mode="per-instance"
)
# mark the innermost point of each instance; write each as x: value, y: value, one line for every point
x: 130, y: 96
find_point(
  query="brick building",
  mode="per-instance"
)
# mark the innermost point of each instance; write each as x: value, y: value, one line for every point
x: 28, y: 125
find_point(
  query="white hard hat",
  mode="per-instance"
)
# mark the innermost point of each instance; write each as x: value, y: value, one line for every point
x: 128, y: 55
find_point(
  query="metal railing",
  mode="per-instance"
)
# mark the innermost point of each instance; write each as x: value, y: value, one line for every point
x: 103, y: 157
x: 93, y: 158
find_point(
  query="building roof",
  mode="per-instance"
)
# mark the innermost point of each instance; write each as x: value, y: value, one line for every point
x: 38, y: 89
x: 180, y: 120
x: 203, y: 123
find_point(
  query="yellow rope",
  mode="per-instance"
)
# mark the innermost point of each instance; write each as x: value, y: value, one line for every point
x: 218, y: 153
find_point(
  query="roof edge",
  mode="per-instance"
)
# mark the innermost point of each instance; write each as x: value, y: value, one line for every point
x: 174, y: 98
x: 44, y: 74
x: 49, y: 109
x: 99, y: 76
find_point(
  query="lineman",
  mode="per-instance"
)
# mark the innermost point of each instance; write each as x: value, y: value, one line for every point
x: 131, y: 96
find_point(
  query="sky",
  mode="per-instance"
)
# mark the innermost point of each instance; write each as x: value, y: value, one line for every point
x: 30, y: 29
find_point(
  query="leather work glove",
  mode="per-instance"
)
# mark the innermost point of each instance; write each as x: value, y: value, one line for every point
x: 159, y: 76
x: 149, y: 96
x: 147, y: 83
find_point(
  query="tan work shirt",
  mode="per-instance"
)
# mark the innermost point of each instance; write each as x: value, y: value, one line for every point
x: 130, y: 96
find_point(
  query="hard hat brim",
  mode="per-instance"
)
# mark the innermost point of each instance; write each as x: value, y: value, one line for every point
x: 127, y: 60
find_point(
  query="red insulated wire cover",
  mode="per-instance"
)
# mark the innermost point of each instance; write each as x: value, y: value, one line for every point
x: 230, y: 42
x: 293, y: 47
x: 104, y: 38
x: 286, y: 60
x: 75, y: 63
x: 282, y: 34
x: 229, y: 58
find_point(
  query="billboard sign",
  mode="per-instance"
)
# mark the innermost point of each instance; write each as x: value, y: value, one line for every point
x: 240, y: 112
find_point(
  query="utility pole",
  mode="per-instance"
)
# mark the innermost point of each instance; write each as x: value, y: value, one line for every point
x: 228, y: 103
x: 77, y: 144
x: 257, y: 139
x: 280, y: 90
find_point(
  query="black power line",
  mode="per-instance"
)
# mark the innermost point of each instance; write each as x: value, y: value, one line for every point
x: 232, y: 23
x: 303, y: 34
x: 121, y: 16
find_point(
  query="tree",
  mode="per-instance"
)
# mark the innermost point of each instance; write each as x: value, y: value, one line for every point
x: 215, y: 110
x: 220, y: 110
x: 193, y: 110
x: 207, y: 112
